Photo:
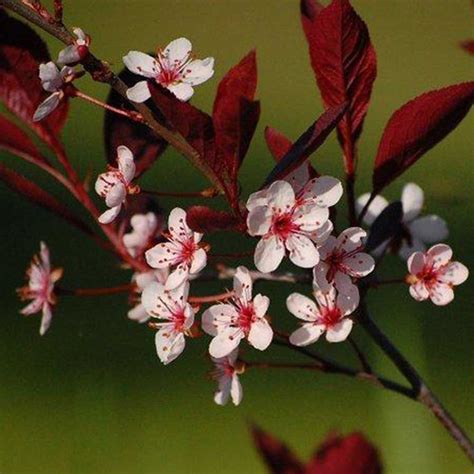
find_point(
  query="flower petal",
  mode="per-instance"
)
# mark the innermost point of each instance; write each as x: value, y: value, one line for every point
x: 455, y: 273
x: 178, y: 51
x: 407, y: 250
x: 260, y: 305
x: 139, y: 93
x: 359, y: 265
x: 199, y: 71
x: 182, y: 91
x: 260, y: 335
x: 326, y: 190
x: 236, y: 392
x: 441, y: 294
x: 50, y: 77
x: 169, y: 344
x: 199, y: 261
x: 348, y: 301
x: 269, y: 253
x: 225, y: 342
x: 116, y: 195
x: 351, y: 239
x: 47, y: 106
x: 217, y: 317
x: 162, y: 255
x: 340, y: 331
x: 429, y: 229
x: 416, y: 263
x: 108, y: 216
x: 243, y: 284
x: 141, y: 64
x: 46, y: 319
x: 302, y: 251
x: 138, y: 314
x: 221, y: 397
x: 419, y: 292
x: 259, y: 198
x: 412, y: 201
x: 311, y: 217
x: 281, y: 197
x: 302, y: 307
x: 177, y: 225
x: 153, y: 297
x: 299, y: 177
x: 125, y: 163
x: 439, y: 255
x: 259, y: 220
x: 177, y: 277
x: 69, y: 55
x: 306, y: 334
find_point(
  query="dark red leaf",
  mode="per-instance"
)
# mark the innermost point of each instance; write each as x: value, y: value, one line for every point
x: 21, y: 52
x: 235, y: 115
x: 344, y: 62
x: 205, y: 220
x: 39, y: 196
x: 468, y: 46
x: 118, y: 130
x: 307, y: 143
x: 193, y: 124
x: 343, y: 455
x: 16, y: 141
x: 418, y: 126
x: 277, y: 143
x: 277, y: 456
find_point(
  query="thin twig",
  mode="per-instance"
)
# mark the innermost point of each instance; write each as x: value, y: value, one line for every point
x: 97, y: 291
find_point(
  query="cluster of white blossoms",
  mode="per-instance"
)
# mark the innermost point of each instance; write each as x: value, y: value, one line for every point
x: 55, y: 77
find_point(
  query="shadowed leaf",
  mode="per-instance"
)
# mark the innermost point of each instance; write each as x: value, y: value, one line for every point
x: 21, y: 52
x: 307, y: 143
x: 386, y: 226
x: 205, y: 220
x: 417, y: 127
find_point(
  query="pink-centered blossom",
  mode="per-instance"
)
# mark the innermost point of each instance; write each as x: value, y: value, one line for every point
x: 143, y: 234
x: 141, y: 280
x: 173, y: 68
x: 242, y: 318
x: 77, y: 51
x: 116, y: 184
x: 418, y: 230
x: 182, y: 251
x: 342, y: 260
x: 291, y: 223
x: 326, y: 314
x: 54, y: 81
x: 433, y: 275
x: 226, y: 373
x: 176, y: 317
x: 40, y: 287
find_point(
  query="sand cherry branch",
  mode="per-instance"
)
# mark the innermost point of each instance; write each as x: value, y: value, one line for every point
x: 58, y: 11
x: 328, y: 366
x: 128, y: 288
x: 211, y: 298
x: 279, y: 365
x: 130, y: 114
x: 421, y: 392
x: 360, y: 355
x: 101, y: 72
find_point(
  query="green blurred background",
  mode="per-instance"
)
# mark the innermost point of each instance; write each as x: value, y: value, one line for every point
x: 91, y: 396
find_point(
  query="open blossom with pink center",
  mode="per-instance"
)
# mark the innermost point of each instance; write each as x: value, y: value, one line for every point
x: 343, y: 259
x: 293, y: 223
x: 53, y: 80
x: 433, y: 274
x: 177, y: 315
x: 173, y: 68
x: 182, y: 252
x: 327, y: 314
x: 77, y: 51
x: 40, y: 287
x: 116, y: 184
x: 141, y: 280
x: 242, y: 318
x: 226, y: 373
x: 417, y: 230
x: 144, y: 231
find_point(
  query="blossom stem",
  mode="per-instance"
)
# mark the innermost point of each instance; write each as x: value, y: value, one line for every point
x: 361, y: 356
x: 421, y: 391
x: 132, y: 115
x: 206, y: 193
x: 211, y: 298
x: 275, y: 365
x: 96, y: 291
x: 231, y: 255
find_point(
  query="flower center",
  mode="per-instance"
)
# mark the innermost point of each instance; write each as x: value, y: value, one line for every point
x: 246, y: 317
x: 188, y: 247
x: 283, y: 225
x: 169, y: 76
x: 330, y: 316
